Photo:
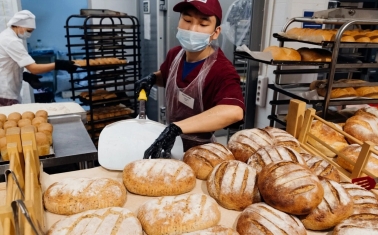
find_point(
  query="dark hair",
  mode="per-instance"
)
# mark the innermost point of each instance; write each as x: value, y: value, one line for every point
x: 217, y: 23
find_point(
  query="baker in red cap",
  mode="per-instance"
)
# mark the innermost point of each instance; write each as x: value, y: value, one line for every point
x: 202, y: 87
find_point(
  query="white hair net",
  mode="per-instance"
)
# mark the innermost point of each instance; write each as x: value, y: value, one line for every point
x: 24, y: 19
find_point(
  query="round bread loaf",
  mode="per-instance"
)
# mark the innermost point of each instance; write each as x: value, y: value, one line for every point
x: 364, y: 201
x: 299, y: 190
x: 363, y: 127
x: 233, y: 185
x: 203, y: 158
x: 41, y: 113
x: 178, y: 214
x: 321, y: 167
x: 108, y: 221
x: 3, y: 118
x: 336, y: 206
x: 269, y: 154
x: 262, y: 219
x: 38, y: 120
x: 216, y: 230
x: 246, y: 142
x: 45, y: 128
x: 9, y: 124
x: 352, y: 152
x: 363, y: 224
x: 24, y: 122
x: 15, y: 116
x: 74, y: 195
x: 158, y: 177
x: 283, y: 138
x: 28, y: 115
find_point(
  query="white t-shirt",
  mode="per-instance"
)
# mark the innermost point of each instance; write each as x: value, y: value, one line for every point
x: 13, y: 57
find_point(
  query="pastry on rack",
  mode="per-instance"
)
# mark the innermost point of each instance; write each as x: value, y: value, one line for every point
x: 283, y: 53
x: 315, y: 54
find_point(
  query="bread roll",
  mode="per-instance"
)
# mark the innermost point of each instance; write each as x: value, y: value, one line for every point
x: 38, y: 120
x: 75, y: 195
x: 28, y: 115
x: 283, y: 138
x: 3, y: 118
x: 361, y: 38
x: 299, y: 190
x: 283, y: 53
x: 233, y: 184
x: 362, y: 127
x: 315, y: 54
x: 178, y: 214
x: 45, y: 127
x: 363, y: 224
x: 203, y: 158
x: 321, y: 167
x: 374, y: 39
x: 347, y: 39
x: 24, y: 122
x: 108, y: 221
x: 331, y: 137
x: 246, y: 142
x: 266, y: 155
x: 158, y: 177
x: 2, y: 133
x: 15, y: 116
x: 364, y: 201
x: 1, y: 125
x: 43, y: 143
x: 216, y: 230
x: 9, y: 124
x: 365, y: 91
x: 263, y: 219
x: 41, y: 113
x: 338, y: 92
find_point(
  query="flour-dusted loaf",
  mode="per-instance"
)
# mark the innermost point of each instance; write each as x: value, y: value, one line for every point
x: 233, y: 185
x: 263, y: 219
x: 107, y: 221
x: 364, y: 201
x: 290, y: 187
x: 203, y: 158
x: 362, y: 126
x: 269, y: 154
x: 283, y: 138
x: 158, y: 177
x: 362, y: 224
x: 336, y: 206
x: 74, y: 195
x: 178, y: 214
x: 352, y: 152
x: 216, y: 230
x: 321, y: 167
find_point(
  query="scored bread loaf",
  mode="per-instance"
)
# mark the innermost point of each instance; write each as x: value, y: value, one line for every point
x: 178, y: 214
x: 299, y: 190
x: 158, y: 177
x: 283, y: 53
x: 203, y: 158
x: 321, y: 167
x: 283, y: 138
x: 363, y: 224
x: 74, y: 195
x: 364, y: 201
x: 269, y: 154
x: 216, y: 230
x: 363, y: 127
x: 336, y: 206
x: 263, y: 219
x: 107, y: 221
x: 233, y: 185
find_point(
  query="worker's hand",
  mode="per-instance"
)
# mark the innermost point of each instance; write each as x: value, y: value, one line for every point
x: 163, y: 144
x: 145, y: 83
x: 32, y: 79
x: 65, y: 65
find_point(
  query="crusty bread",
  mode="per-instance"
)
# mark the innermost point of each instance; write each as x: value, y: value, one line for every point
x: 362, y: 224
x: 74, y: 195
x: 233, y: 184
x: 158, y: 177
x: 363, y: 127
x: 263, y: 219
x: 283, y: 53
x: 331, y: 137
x: 321, y: 167
x: 283, y: 138
x: 269, y: 154
x: 216, y: 230
x: 299, y: 190
x: 107, y: 221
x: 336, y: 206
x: 203, y: 158
x: 364, y: 201
x: 315, y: 54
x: 367, y: 91
x: 178, y: 214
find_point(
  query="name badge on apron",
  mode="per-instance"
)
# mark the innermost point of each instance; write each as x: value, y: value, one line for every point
x: 186, y: 100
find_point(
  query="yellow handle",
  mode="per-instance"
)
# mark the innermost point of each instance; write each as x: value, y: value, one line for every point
x: 142, y: 95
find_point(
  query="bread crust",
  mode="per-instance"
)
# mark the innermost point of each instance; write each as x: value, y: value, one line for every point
x: 321, y: 167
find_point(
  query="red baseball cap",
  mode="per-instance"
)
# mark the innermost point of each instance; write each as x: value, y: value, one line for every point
x: 206, y: 7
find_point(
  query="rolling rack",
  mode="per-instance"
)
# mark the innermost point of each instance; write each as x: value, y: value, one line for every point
x: 96, y: 34
x: 339, y: 63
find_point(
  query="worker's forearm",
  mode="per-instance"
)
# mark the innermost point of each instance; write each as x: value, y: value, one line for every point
x: 40, y: 68
x: 159, y: 79
x: 213, y: 119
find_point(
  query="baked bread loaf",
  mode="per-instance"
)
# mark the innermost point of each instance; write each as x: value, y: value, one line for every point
x: 363, y: 127
x: 315, y: 54
x: 233, y: 185
x: 321, y: 167
x: 75, y: 195
x: 41, y: 113
x: 43, y: 143
x: 216, y: 230
x: 331, y: 137
x: 336, y: 206
x: 263, y: 219
x: 269, y: 154
x: 3, y: 149
x: 107, y: 221
x: 24, y: 122
x: 9, y: 124
x: 363, y: 224
x: 28, y: 115
x: 299, y: 190
x: 15, y: 116
x: 352, y: 152
x: 3, y: 118
x: 366, y: 91
x: 2, y: 133
x: 364, y: 201
x: 283, y: 138
x: 178, y: 214
x: 158, y: 177
x: 203, y: 158
x: 38, y: 120
x: 283, y: 53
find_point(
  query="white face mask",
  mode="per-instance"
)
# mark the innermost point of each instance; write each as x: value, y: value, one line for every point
x: 193, y: 41
x: 24, y: 35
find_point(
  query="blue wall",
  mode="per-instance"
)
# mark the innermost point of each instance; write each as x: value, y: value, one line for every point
x: 51, y: 16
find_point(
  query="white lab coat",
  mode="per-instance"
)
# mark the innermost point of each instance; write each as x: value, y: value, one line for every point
x: 13, y: 57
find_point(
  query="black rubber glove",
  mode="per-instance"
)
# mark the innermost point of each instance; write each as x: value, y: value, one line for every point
x: 65, y: 65
x: 163, y: 144
x: 145, y: 83
x: 32, y: 79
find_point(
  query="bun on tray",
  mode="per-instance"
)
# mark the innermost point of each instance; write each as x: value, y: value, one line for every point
x: 283, y: 53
